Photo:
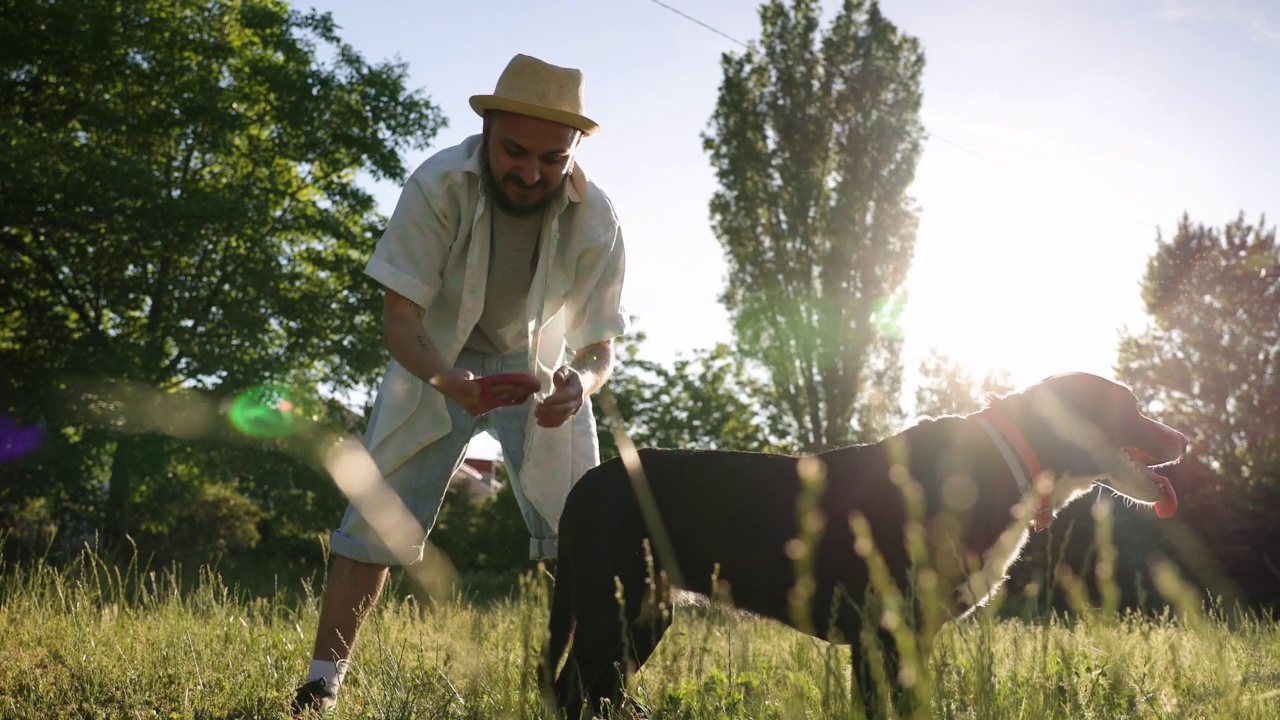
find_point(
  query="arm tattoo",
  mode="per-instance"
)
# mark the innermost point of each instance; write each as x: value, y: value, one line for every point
x: 419, y: 312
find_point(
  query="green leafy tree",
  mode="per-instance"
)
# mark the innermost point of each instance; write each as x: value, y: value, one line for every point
x: 1210, y: 362
x: 703, y: 401
x: 179, y: 209
x: 814, y: 141
x: 947, y: 388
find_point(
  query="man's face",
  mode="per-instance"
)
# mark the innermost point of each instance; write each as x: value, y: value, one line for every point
x: 528, y: 159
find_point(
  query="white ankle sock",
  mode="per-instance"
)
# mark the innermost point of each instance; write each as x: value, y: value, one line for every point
x: 332, y: 671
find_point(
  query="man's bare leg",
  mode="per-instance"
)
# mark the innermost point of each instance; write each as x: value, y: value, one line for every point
x: 349, y: 596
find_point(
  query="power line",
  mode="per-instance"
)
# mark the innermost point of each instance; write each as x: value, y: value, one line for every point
x: 692, y: 19
x: 927, y: 133
x: 975, y: 153
x: 731, y: 38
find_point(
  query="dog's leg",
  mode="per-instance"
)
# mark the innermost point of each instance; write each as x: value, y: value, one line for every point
x: 864, y: 694
x: 560, y: 637
x: 875, y: 669
x: 652, y: 615
x: 644, y: 640
x: 644, y: 636
x: 596, y: 677
x: 569, y: 691
x: 593, y: 672
x: 611, y: 640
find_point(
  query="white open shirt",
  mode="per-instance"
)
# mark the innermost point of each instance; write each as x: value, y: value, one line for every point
x: 435, y: 252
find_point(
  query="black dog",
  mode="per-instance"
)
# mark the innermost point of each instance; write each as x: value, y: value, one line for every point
x: 730, y: 518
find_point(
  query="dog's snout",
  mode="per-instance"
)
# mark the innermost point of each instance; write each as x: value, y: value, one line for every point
x: 1177, y: 441
x: 1167, y: 444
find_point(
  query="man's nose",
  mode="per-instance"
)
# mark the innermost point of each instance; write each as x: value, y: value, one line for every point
x: 529, y: 174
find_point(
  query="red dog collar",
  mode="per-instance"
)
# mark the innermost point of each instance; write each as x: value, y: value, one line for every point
x: 1013, y: 437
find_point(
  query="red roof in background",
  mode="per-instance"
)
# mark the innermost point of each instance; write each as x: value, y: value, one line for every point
x: 482, y: 465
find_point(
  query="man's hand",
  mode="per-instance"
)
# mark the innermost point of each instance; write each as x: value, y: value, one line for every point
x: 470, y: 392
x: 460, y: 386
x: 564, y: 402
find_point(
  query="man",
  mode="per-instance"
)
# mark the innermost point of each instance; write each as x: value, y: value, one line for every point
x: 500, y: 257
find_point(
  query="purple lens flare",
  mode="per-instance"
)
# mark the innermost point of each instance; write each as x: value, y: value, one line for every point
x: 17, y: 441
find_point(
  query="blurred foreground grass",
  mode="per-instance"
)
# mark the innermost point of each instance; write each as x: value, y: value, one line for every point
x: 90, y: 640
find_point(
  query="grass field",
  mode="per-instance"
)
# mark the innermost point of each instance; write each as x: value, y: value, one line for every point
x: 90, y: 640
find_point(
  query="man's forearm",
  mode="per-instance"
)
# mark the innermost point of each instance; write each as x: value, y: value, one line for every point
x: 594, y: 365
x: 408, y: 343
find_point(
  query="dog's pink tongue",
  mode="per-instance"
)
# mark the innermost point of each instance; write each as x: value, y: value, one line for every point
x: 1167, y: 505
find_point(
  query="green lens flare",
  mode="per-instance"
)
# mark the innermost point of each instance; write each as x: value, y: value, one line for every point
x: 265, y: 411
x: 886, y: 318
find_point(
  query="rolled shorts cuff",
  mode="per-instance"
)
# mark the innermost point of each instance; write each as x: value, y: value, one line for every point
x: 544, y: 548
x: 360, y: 551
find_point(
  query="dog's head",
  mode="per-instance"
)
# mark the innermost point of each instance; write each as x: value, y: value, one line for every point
x: 1085, y: 429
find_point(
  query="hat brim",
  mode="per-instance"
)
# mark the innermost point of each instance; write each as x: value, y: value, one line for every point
x: 483, y: 103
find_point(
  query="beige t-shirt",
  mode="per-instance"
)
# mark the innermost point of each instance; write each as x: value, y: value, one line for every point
x: 513, y: 256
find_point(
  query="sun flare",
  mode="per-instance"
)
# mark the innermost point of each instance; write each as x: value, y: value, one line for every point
x: 1016, y: 267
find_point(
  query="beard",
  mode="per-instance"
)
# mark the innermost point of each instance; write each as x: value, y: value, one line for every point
x: 499, y: 195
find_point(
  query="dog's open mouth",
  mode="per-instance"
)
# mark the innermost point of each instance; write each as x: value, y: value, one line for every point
x: 1140, y: 461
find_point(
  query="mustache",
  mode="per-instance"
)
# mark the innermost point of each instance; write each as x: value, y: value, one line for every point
x: 515, y: 179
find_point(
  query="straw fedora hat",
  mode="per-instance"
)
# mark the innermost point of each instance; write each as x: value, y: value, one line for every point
x: 529, y: 86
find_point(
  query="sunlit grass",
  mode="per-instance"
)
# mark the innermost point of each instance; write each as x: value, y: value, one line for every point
x: 91, y: 641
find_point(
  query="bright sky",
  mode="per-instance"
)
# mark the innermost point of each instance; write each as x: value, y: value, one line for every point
x: 1065, y: 133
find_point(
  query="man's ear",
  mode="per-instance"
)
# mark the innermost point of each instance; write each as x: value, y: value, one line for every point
x: 573, y: 159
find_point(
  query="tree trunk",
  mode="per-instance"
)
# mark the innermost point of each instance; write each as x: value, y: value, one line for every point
x: 136, y: 458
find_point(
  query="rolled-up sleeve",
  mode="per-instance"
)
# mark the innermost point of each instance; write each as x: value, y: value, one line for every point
x: 596, y: 312
x: 411, y: 254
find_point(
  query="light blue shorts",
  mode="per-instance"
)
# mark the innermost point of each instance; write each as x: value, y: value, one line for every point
x: 421, y: 482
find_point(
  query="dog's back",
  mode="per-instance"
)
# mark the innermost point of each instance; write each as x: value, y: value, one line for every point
x: 723, y: 513
x: 726, y: 516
